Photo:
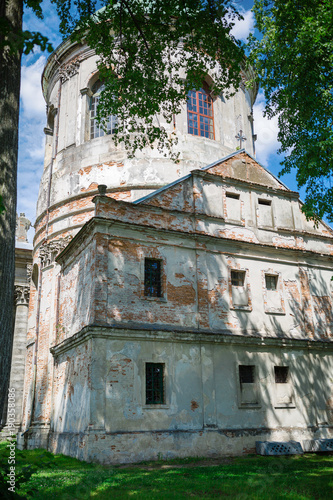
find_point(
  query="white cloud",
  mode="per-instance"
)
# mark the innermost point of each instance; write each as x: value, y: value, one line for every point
x: 267, y: 130
x: 31, y: 136
x: 33, y: 112
x: 243, y: 28
x: 31, y: 93
x: 48, y: 26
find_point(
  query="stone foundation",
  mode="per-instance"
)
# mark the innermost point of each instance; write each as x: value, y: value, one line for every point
x: 130, y: 447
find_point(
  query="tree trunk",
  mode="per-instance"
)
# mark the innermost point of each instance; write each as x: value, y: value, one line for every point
x: 10, y: 74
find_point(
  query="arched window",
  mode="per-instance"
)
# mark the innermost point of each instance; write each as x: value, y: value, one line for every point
x: 200, y: 117
x: 110, y: 124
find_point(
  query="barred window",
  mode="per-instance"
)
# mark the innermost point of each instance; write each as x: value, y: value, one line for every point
x: 237, y: 278
x: 155, y: 383
x: 153, y: 283
x: 110, y: 123
x: 200, y: 113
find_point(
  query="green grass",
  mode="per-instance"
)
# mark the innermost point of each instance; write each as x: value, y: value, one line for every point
x: 252, y: 477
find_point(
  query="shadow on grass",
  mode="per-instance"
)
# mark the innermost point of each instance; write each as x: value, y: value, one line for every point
x: 251, y: 477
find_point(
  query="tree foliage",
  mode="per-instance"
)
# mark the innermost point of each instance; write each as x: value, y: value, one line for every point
x: 294, y: 62
x: 151, y: 53
x: 14, y: 39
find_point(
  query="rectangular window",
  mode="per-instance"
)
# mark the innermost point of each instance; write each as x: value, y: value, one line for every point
x: 233, y: 206
x: 271, y: 282
x: 283, y: 388
x: 265, y: 202
x: 265, y: 213
x: 239, y: 290
x: 248, y: 387
x: 281, y: 374
x: 154, y: 383
x: 246, y: 374
x: 153, y: 282
x: 233, y: 196
x: 110, y: 123
x: 98, y: 129
x: 200, y: 113
x: 237, y: 278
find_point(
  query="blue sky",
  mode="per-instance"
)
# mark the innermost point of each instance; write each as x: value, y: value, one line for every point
x: 33, y: 113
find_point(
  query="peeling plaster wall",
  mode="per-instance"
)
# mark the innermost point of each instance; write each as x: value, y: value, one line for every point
x: 72, y: 392
x: 202, y: 414
x: 196, y: 287
x: 76, y: 294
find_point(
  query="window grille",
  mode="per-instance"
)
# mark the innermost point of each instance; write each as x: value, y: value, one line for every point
x: 110, y: 124
x: 246, y: 374
x: 281, y: 374
x: 237, y: 278
x: 154, y: 383
x: 153, y: 284
x: 271, y: 282
x: 200, y: 113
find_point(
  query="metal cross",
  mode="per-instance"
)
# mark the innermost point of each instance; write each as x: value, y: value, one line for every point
x: 240, y: 137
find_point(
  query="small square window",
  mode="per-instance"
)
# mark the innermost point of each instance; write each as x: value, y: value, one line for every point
x: 237, y: 278
x: 271, y: 281
x: 153, y: 282
x: 246, y: 374
x: 154, y: 383
x: 281, y: 374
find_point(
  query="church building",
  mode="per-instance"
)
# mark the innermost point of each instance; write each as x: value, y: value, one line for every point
x: 176, y: 309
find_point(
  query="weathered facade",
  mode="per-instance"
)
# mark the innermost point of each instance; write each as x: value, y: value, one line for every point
x: 23, y: 271
x: 190, y: 309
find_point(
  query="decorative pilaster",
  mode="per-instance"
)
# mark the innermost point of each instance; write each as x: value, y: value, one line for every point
x: 49, y: 251
x: 67, y: 71
x: 21, y: 295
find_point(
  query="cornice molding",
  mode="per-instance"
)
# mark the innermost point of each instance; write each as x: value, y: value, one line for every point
x: 140, y: 333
